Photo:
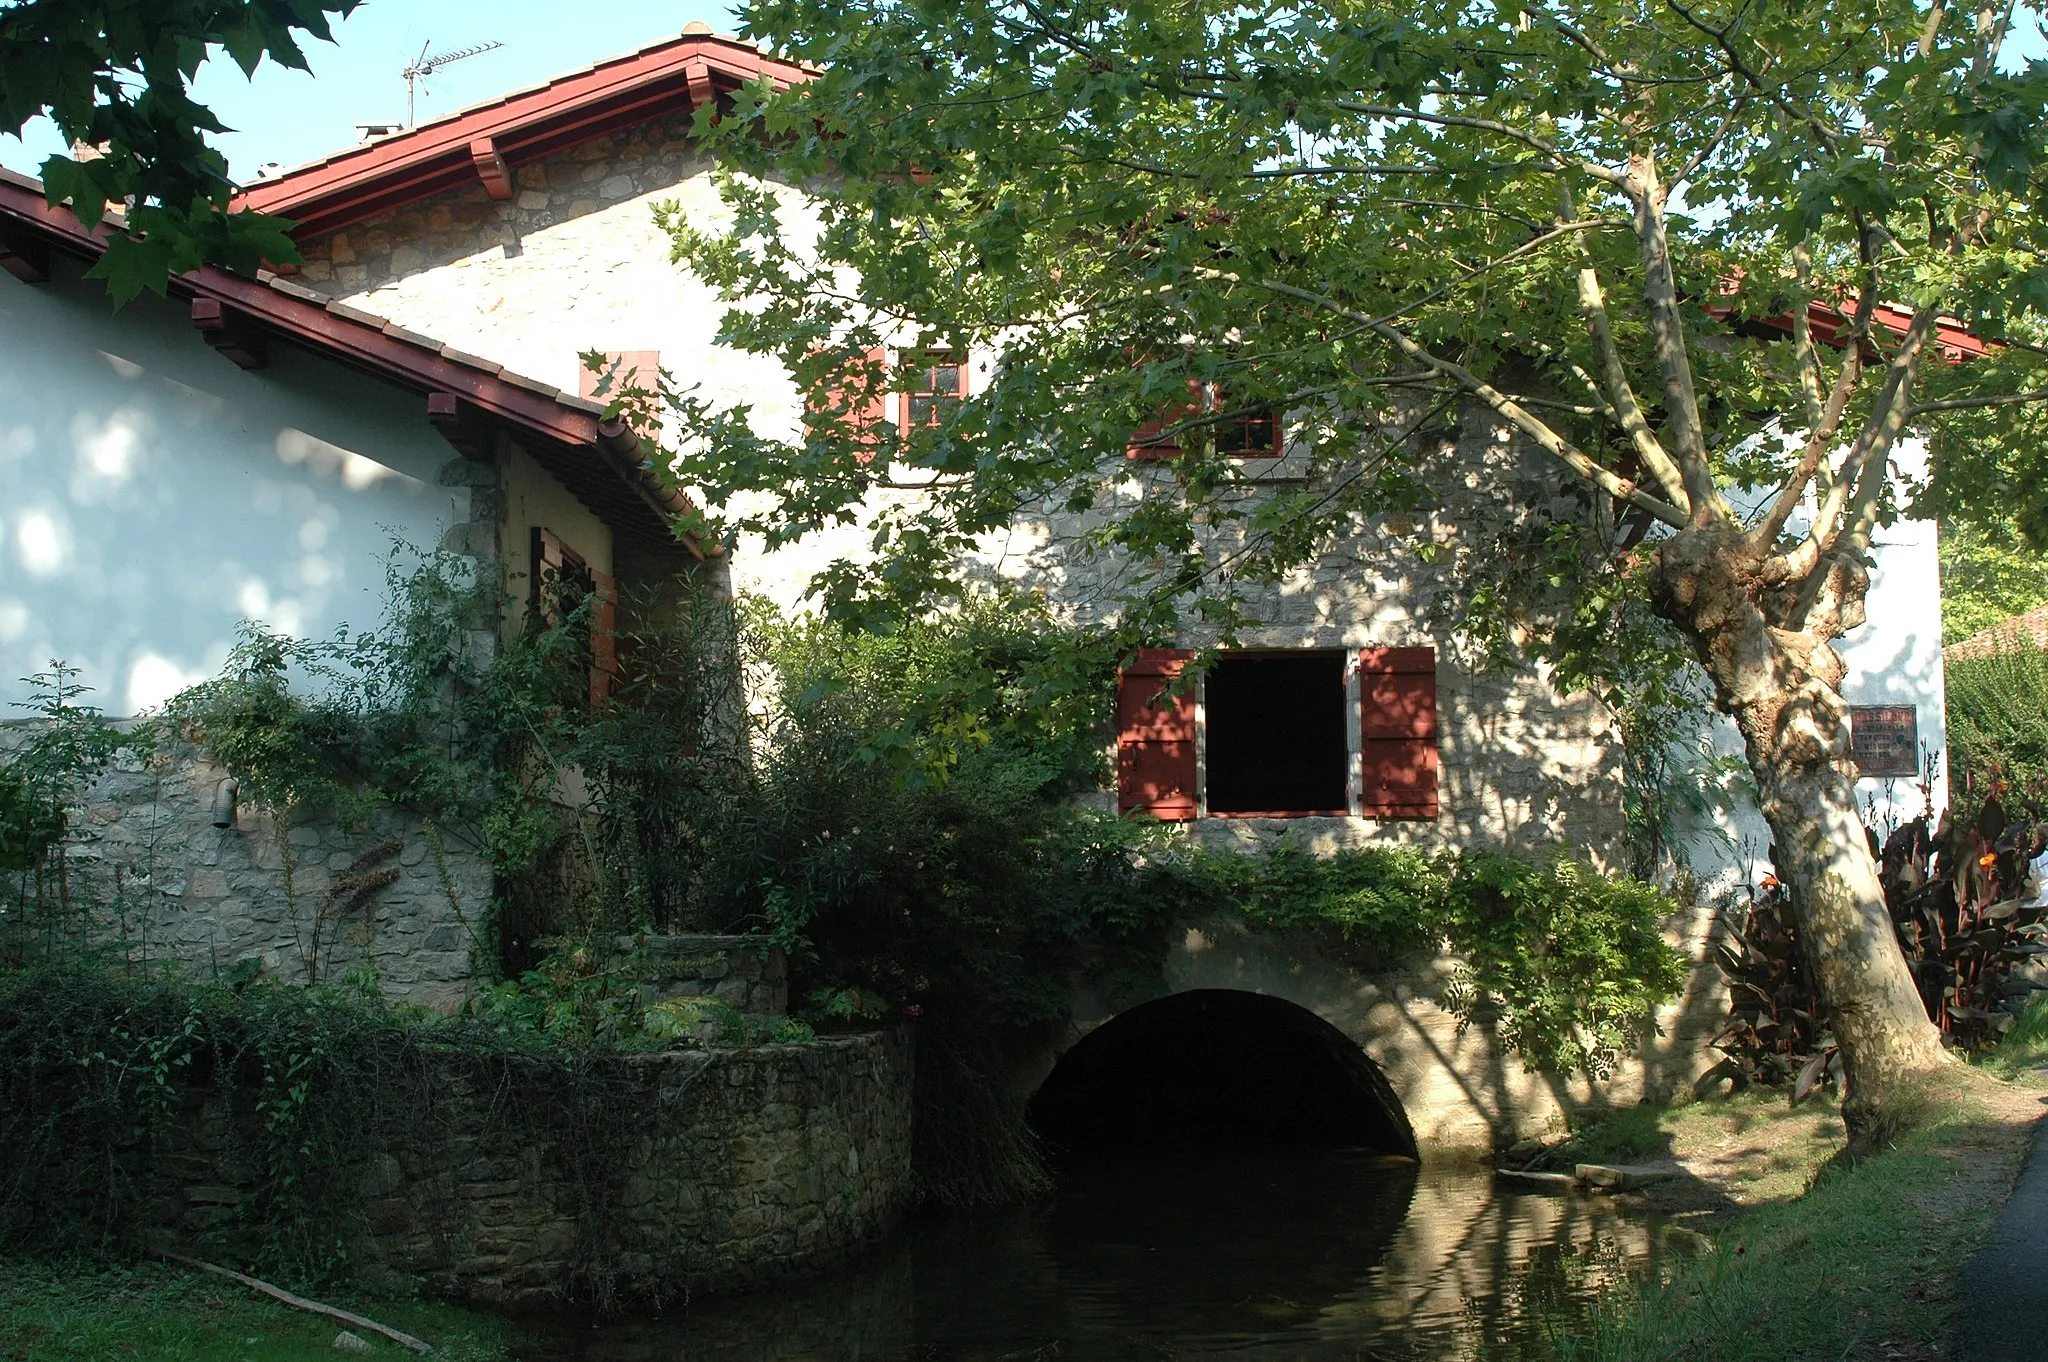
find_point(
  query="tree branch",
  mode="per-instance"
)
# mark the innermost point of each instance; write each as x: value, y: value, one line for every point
x: 1555, y: 155
x: 1526, y: 421
x: 1620, y: 395
x: 1667, y: 328
x: 1828, y: 421
x: 1972, y: 403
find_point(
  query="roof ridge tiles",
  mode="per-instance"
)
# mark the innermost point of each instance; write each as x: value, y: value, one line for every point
x: 469, y: 361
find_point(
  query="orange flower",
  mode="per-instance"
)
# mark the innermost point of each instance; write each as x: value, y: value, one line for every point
x: 1988, y: 859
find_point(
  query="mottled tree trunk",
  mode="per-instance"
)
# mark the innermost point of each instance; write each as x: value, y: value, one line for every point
x: 1780, y: 685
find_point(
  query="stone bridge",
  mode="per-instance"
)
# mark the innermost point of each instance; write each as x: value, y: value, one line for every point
x: 1263, y: 1034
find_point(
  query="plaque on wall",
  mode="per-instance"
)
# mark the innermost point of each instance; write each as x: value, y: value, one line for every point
x: 1884, y: 740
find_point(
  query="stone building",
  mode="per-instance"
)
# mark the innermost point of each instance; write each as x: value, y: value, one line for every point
x: 525, y: 229
x: 524, y: 232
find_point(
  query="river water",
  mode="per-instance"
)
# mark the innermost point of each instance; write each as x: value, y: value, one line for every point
x: 1268, y: 1254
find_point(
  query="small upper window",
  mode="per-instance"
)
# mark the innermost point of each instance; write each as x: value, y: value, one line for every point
x: 1250, y: 434
x: 938, y: 382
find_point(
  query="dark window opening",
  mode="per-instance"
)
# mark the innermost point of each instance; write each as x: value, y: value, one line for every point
x: 1276, y: 739
x: 1250, y: 434
x: 1216, y: 1068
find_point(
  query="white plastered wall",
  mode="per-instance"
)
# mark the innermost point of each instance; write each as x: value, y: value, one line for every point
x: 1893, y: 658
x: 153, y: 495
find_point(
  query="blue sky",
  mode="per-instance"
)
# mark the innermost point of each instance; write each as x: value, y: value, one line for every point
x: 291, y: 117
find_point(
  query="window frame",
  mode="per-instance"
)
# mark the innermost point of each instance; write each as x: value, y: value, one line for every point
x: 549, y: 550
x: 1148, y: 441
x: 1354, y: 775
x: 930, y: 359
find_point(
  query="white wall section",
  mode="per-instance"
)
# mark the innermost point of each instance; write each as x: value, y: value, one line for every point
x: 153, y: 495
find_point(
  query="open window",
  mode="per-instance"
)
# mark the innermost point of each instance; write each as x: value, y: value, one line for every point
x: 1279, y: 734
x: 559, y: 585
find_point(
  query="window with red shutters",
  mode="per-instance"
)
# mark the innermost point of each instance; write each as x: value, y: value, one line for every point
x: 1252, y: 433
x: 1155, y: 742
x: 1273, y: 735
x: 1397, y: 711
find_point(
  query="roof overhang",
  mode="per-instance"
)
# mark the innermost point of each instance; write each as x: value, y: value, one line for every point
x: 487, y: 142
x: 467, y: 397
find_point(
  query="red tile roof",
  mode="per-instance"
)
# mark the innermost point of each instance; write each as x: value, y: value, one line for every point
x: 2019, y: 634
x: 599, y: 461
x: 481, y: 142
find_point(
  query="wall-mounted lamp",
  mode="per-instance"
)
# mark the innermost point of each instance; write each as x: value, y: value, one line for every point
x: 225, y: 795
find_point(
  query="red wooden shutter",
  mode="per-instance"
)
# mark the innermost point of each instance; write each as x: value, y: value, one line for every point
x: 1150, y: 441
x: 1155, y: 742
x: 1397, y: 700
x: 856, y: 404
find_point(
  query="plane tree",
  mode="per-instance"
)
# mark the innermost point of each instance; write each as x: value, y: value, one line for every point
x: 1714, y: 259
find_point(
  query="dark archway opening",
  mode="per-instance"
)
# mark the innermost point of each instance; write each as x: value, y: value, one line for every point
x: 1217, y: 1069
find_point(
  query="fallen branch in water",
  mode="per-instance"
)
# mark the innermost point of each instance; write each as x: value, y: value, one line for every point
x: 404, y: 1340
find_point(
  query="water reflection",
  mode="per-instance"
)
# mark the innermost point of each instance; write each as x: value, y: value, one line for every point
x: 1310, y: 1254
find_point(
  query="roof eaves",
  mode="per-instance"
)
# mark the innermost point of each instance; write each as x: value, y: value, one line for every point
x: 573, y: 427
x: 523, y: 125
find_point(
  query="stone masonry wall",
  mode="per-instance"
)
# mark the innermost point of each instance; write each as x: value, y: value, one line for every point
x: 264, y: 895
x: 257, y: 894
x: 714, y: 1170
x: 1520, y: 767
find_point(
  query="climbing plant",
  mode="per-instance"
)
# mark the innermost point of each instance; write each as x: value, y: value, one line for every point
x: 47, y: 762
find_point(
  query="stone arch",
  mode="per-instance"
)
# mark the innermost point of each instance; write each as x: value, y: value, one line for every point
x: 1460, y: 1088
x: 1207, y: 1066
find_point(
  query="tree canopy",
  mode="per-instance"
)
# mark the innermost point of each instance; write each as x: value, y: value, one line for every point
x: 1714, y: 260
x: 114, y: 76
x: 1562, y: 211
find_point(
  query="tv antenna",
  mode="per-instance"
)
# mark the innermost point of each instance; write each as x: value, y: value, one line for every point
x: 424, y: 66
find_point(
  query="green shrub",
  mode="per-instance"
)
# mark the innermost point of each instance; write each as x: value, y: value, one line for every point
x: 1998, y: 729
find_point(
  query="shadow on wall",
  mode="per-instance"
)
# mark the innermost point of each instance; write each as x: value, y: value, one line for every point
x: 1217, y: 1068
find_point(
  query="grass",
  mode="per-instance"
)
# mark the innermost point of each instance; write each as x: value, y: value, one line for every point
x: 2022, y: 1057
x: 83, y: 1311
x: 1832, y: 1261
